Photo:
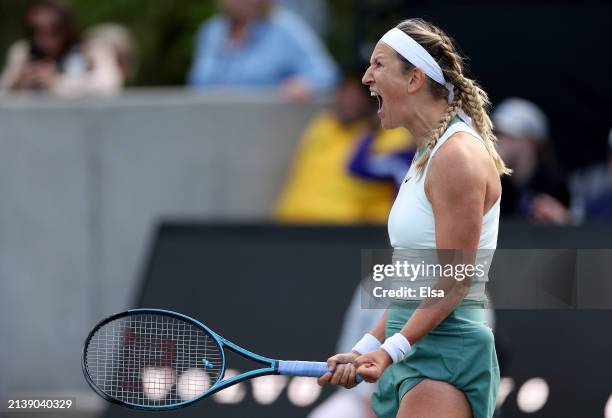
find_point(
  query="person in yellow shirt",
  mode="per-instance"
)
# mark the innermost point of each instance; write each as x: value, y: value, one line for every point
x: 320, y: 187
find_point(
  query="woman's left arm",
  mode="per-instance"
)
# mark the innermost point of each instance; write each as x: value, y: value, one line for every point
x: 456, y: 188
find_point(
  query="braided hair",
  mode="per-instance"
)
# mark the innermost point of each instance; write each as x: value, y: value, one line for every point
x: 468, y: 96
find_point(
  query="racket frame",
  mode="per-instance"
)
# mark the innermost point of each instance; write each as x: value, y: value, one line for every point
x: 270, y: 369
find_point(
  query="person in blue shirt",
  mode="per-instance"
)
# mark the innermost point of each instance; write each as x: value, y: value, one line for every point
x: 252, y: 44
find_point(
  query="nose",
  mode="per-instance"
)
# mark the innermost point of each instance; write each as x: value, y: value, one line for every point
x: 367, y: 77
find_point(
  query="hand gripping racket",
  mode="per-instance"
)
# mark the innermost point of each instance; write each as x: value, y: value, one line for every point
x: 154, y: 359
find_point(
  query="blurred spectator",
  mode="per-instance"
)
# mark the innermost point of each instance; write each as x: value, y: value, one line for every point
x: 592, y: 191
x: 314, y: 12
x: 53, y: 59
x: 119, y: 40
x: 320, y: 187
x: 392, y: 166
x: 253, y: 44
x: 536, y: 189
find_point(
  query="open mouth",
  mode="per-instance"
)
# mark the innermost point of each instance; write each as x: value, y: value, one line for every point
x: 379, y: 98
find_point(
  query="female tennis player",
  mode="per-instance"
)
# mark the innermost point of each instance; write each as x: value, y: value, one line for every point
x: 433, y: 362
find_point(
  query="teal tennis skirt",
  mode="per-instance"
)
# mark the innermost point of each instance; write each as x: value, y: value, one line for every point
x: 460, y: 351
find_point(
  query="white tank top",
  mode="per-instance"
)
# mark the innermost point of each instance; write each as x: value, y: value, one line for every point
x: 411, y: 223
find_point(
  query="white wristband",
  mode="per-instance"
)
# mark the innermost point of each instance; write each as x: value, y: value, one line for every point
x: 366, y: 344
x: 397, y: 346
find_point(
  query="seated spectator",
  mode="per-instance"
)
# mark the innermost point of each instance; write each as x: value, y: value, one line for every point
x: 367, y: 164
x: 52, y: 59
x: 253, y: 44
x: 320, y: 188
x: 591, y: 191
x: 119, y: 40
x: 536, y: 189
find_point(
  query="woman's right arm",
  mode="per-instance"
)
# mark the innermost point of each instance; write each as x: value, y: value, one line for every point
x: 380, y: 329
x: 345, y: 376
x: 13, y: 72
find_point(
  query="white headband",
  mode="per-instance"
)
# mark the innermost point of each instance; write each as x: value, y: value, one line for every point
x: 418, y: 56
x: 415, y: 53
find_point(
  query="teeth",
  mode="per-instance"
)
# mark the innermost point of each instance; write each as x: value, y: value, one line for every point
x: 378, y: 97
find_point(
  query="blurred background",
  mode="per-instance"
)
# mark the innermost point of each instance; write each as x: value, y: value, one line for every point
x: 222, y: 159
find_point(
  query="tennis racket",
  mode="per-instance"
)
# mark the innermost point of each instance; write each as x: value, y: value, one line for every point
x: 153, y: 359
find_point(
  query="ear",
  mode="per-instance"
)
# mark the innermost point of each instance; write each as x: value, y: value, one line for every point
x: 416, y: 80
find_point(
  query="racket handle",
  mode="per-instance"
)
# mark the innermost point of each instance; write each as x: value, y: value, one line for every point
x: 305, y: 368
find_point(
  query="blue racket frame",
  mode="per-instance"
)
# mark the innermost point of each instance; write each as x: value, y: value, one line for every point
x: 287, y: 368
x: 272, y: 365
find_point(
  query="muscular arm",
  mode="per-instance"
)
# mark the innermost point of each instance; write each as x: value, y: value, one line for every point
x: 380, y: 328
x: 456, y: 187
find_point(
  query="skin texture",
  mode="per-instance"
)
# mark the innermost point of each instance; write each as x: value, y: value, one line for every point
x: 432, y: 398
x: 462, y: 183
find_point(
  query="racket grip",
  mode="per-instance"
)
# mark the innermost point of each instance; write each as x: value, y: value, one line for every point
x: 305, y: 368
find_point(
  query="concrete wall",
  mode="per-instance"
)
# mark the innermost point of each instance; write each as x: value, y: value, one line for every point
x: 82, y: 185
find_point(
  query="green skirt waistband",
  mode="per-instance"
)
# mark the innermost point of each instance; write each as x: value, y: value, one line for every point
x: 467, y: 311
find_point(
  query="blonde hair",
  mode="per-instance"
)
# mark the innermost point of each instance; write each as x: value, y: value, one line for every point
x: 468, y: 94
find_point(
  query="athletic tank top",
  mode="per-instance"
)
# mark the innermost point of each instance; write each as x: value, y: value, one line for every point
x: 411, y: 224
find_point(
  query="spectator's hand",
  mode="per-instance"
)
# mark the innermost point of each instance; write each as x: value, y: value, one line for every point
x: 371, y: 365
x: 341, y: 371
x: 26, y: 78
x: 546, y: 209
x: 37, y: 75
x: 296, y: 89
x: 45, y: 74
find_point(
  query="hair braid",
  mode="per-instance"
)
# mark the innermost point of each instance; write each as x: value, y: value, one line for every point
x: 476, y: 107
x: 469, y: 97
x: 452, y: 111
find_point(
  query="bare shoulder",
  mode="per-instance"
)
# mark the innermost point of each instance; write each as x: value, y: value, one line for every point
x: 459, y: 164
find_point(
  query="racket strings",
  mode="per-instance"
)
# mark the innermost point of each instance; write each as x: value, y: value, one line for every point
x: 153, y: 360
